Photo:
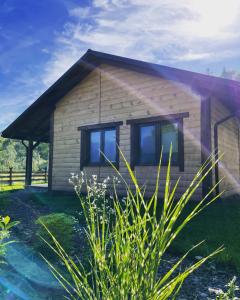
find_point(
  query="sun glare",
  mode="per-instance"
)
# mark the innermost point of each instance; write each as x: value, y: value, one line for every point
x: 213, y: 17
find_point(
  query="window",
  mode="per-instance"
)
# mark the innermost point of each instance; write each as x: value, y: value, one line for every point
x: 150, y: 136
x: 110, y: 145
x: 147, y: 147
x: 169, y: 135
x: 95, y: 146
x: 102, y: 146
x: 99, y: 144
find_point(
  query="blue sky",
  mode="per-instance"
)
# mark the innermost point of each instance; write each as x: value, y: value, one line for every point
x: 39, y: 40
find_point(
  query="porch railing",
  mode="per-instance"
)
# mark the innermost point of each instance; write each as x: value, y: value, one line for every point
x: 12, y: 176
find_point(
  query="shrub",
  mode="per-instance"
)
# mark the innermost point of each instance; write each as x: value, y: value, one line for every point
x: 5, y: 226
x: 62, y: 227
x: 97, y: 193
x: 126, y: 254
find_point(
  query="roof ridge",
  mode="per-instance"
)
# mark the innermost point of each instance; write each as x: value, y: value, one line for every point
x: 101, y: 54
x: 226, y: 89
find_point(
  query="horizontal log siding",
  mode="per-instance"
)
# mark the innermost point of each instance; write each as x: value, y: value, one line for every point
x: 228, y: 140
x: 124, y: 94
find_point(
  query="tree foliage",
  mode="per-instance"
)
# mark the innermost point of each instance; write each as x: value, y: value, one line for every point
x: 230, y: 74
x: 13, y: 155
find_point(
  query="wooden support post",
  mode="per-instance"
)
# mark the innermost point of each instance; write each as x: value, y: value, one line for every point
x: 29, y: 159
x: 28, y: 177
x: 10, y: 176
x: 45, y: 174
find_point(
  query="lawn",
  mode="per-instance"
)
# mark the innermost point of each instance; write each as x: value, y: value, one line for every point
x: 4, y: 188
x: 5, y: 193
x: 57, y: 201
x: 218, y: 225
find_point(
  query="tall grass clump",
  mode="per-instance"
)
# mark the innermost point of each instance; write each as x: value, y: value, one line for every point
x: 127, y: 252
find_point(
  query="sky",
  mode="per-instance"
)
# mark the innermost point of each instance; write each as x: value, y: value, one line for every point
x: 40, y: 40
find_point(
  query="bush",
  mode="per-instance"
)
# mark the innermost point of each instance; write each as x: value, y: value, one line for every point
x: 5, y: 226
x: 61, y: 226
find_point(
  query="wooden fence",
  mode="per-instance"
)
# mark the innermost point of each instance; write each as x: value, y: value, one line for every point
x: 11, y: 176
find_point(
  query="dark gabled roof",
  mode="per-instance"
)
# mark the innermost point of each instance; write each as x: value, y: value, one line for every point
x: 34, y: 122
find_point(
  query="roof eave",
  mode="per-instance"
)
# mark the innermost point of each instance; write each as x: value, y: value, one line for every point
x: 204, y: 84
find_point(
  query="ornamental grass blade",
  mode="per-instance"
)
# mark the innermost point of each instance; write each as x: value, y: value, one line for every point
x: 126, y: 252
x: 166, y: 291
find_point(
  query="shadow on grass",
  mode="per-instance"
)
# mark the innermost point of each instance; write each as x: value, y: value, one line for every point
x: 218, y: 225
x: 57, y: 201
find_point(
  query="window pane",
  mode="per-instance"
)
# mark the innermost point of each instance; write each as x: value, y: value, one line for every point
x: 170, y: 135
x: 95, y: 142
x: 110, y: 145
x: 147, y: 144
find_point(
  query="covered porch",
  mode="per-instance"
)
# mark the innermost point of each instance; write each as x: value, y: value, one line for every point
x: 30, y: 177
x: 32, y: 129
x: 35, y: 124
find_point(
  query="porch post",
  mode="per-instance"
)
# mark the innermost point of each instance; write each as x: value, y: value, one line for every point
x: 29, y: 158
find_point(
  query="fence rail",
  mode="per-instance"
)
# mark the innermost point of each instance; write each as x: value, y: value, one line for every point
x: 9, y: 177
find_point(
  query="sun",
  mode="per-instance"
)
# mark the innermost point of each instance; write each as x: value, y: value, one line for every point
x: 213, y: 17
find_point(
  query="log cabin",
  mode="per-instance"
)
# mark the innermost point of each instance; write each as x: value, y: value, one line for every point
x: 104, y: 101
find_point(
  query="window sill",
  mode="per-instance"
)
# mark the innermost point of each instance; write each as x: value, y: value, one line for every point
x: 156, y: 165
x: 174, y: 165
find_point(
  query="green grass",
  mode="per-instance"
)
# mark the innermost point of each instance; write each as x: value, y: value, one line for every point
x: 218, y: 225
x: 16, y: 186
x: 5, y: 197
x: 57, y: 201
x: 125, y: 253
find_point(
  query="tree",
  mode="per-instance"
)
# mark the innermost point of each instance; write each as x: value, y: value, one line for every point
x: 230, y: 74
x: 13, y: 155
